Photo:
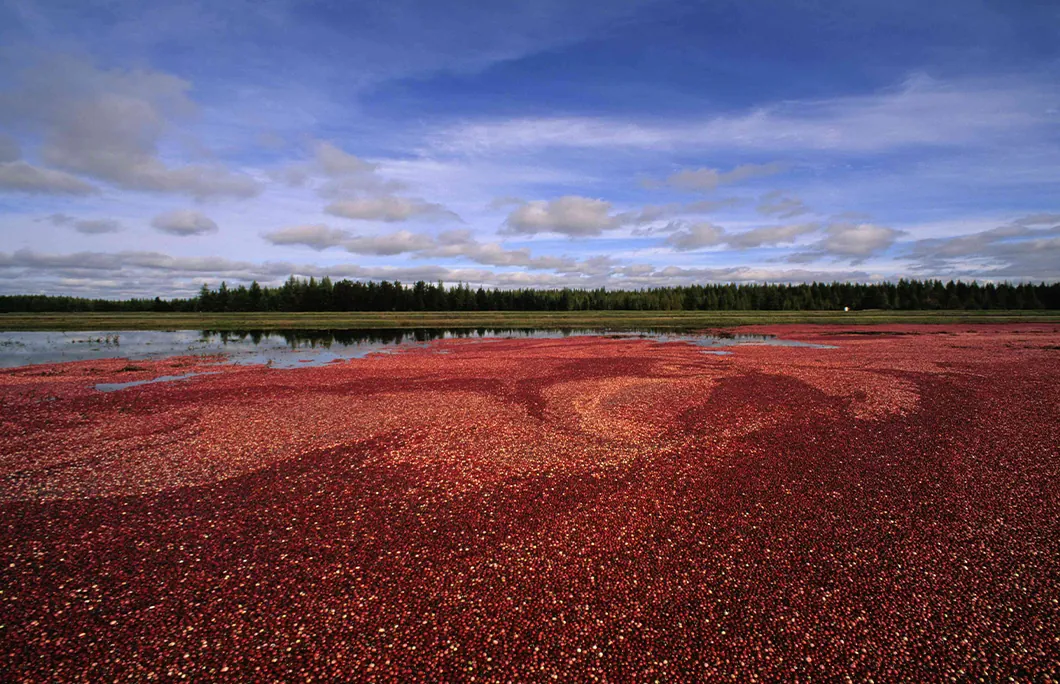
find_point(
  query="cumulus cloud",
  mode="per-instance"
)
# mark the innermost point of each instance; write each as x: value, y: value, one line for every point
x: 58, y: 219
x: 357, y: 190
x: 399, y: 242
x: 858, y: 240
x: 678, y: 275
x: 845, y: 241
x: 781, y: 205
x: 151, y: 273
x: 707, y: 206
x: 648, y: 214
x: 104, y: 261
x: 654, y: 213
x: 337, y: 174
x: 318, y: 236
x: 389, y: 209
x: 184, y: 223
x: 461, y: 244
x: 18, y: 176
x: 454, y: 244
x: 706, y: 179
x: 97, y: 226
x: 575, y: 216
x: 360, y: 185
x: 334, y: 161
x: 770, y: 235
x: 1028, y: 247
x: 85, y: 226
x: 1051, y: 220
x: 321, y: 237
x: 1034, y: 259
x: 697, y: 236
x: 108, y: 124
x: 569, y: 215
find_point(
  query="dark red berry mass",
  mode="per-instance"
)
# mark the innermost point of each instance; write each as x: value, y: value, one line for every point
x: 543, y: 509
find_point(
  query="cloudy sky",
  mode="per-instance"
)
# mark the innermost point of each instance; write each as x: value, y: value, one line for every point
x: 148, y: 147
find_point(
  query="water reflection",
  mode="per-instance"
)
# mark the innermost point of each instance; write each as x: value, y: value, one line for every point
x: 115, y: 386
x: 293, y: 348
x: 325, y: 338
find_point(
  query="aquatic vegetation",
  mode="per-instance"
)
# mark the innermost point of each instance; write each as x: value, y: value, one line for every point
x: 562, y: 509
x: 105, y: 340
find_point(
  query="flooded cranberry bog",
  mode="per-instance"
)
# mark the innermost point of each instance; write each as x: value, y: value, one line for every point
x: 875, y: 502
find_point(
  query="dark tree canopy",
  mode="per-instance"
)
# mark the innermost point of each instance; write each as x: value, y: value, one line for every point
x: 346, y: 295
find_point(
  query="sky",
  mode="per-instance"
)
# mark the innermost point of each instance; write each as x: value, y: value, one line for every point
x: 149, y: 147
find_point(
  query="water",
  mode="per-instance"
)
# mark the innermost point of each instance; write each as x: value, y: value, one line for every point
x: 115, y: 386
x: 297, y: 348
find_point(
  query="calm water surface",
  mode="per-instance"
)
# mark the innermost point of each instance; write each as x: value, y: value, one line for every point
x: 297, y: 348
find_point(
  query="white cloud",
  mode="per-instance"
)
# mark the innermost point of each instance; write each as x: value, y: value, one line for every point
x: 461, y: 244
x: 321, y: 237
x: 705, y: 179
x: 356, y: 189
x: 58, y: 219
x: 453, y: 244
x: 854, y: 242
x: 707, y: 206
x: 152, y: 273
x: 359, y: 185
x: 770, y: 235
x: 653, y: 213
x: 103, y: 261
x: 318, y: 236
x: 857, y: 240
x: 570, y: 215
x: 337, y: 173
x: 1026, y: 248
x: 108, y: 124
x: 781, y: 205
x: 697, y: 236
x: 97, y: 226
x: 480, y: 180
x: 1052, y: 220
x: 184, y: 222
x: 334, y: 162
x: 18, y: 176
x: 399, y: 242
x: 389, y: 209
x: 920, y: 112
x: 676, y: 275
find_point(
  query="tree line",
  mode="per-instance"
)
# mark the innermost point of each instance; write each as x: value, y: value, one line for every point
x: 298, y: 294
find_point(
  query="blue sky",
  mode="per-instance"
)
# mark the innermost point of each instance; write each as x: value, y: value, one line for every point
x: 148, y: 147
